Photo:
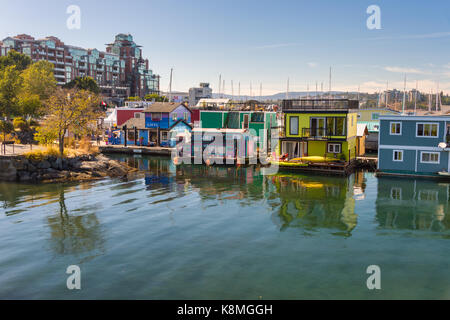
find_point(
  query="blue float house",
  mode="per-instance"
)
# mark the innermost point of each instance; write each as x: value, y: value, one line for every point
x: 157, y: 125
x: 414, y: 145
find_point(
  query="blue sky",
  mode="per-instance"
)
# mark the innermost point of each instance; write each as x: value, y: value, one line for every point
x: 258, y: 41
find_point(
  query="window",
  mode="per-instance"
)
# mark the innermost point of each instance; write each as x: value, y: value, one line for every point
x: 375, y: 116
x: 156, y: 116
x: 398, y: 155
x: 340, y: 126
x: 428, y: 195
x: 174, y: 117
x: 429, y: 157
x: 396, y: 129
x: 396, y: 193
x: 334, y: 148
x: 164, y: 136
x: 186, y: 116
x: 427, y: 130
x: 138, y: 115
x: 293, y: 126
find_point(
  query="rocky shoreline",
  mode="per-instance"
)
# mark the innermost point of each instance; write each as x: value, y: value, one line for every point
x: 52, y: 169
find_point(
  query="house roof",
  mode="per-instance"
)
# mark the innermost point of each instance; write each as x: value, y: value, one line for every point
x: 165, y: 107
x: 176, y: 123
x: 138, y: 123
x: 362, y: 130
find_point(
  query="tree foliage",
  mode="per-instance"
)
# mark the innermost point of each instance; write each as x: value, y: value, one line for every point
x: 14, y: 58
x: 24, y: 86
x: 156, y: 97
x: 6, y: 127
x: 83, y: 83
x: 72, y: 109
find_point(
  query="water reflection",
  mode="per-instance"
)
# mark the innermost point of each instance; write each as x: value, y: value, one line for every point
x: 317, y: 202
x: 413, y: 205
x: 74, y: 234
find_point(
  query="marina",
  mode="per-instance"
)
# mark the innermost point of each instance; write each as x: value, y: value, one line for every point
x: 191, y: 231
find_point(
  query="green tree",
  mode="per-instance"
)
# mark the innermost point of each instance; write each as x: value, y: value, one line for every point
x: 156, y: 97
x: 69, y: 109
x: 14, y: 58
x: 10, y: 86
x: 6, y: 127
x: 83, y: 83
x: 38, y: 79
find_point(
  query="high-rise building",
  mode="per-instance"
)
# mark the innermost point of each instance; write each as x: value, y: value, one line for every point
x: 137, y: 71
x: 117, y: 74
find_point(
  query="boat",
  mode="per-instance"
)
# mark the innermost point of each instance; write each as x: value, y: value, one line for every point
x: 444, y: 173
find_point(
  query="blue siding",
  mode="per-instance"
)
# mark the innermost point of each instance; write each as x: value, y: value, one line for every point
x: 408, y: 136
x: 412, y: 147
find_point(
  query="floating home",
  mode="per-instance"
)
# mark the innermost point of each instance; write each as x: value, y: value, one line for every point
x: 257, y: 123
x: 414, y: 145
x: 220, y: 146
x: 318, y: 134
x: 156, y: 126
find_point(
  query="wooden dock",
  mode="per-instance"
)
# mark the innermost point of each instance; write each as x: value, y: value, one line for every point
x: 154, y: 151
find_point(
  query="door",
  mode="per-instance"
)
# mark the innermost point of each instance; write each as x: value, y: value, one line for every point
x: 246, y: 121
x: 317, y: 127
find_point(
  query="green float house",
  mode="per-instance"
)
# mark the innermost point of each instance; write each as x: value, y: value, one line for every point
x: 319, y: 128
x: 259, y: 123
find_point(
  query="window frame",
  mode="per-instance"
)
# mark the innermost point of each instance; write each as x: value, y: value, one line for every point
x: 398, y: 151
x: 430, y: 162
x: 334, y: 145
x: 390, y: 128
x: 427, y: 123
x: 290, y: 125
x: 377, y: 116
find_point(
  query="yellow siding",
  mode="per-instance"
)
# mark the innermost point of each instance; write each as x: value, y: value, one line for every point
x: 366, y: 114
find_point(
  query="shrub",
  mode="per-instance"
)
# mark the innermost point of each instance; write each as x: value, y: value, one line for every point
x: 43, y: 154
x: 21, y: 124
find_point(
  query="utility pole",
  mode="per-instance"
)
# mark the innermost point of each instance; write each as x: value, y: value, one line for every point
x: 386, y: 94
x: 239, y: 90
x: 232, y: 90
x: 220, y: 84
x: 223, y: 89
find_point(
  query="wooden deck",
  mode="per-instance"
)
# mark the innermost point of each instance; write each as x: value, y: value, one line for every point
x: 154, y: 151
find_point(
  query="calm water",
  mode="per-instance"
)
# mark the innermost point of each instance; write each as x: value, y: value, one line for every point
x: 223, y: 233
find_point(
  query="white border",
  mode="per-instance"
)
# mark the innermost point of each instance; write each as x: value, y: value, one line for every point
x: 334, y: 144
x: 424, y: 123
x: 393, y: 155
x: 430, y: 162
x: 390, y: 128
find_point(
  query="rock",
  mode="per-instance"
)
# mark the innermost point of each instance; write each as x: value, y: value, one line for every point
x: 57, y: 164
x: 44, y: 165
x: 116, y: 170
x: 24, y: 176
x: 31, y: 167
x: 20, y: 163
x: 7, y: 170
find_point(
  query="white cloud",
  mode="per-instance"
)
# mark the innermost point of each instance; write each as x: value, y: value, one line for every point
x: 404, y: 70
x: 312, y: 64
x: 276, y: 45
x: 434, y: 35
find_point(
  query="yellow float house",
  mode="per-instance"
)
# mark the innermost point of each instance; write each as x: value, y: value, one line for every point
x: 319, y: 131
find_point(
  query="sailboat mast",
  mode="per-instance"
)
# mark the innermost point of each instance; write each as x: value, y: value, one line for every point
x: 170, y: 85
x: 404, y: 97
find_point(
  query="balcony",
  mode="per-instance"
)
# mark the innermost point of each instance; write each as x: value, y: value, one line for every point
x: 319, y: 105
x: 316, y: 133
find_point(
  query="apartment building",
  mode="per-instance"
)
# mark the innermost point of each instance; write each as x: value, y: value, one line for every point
x: 117, y: 74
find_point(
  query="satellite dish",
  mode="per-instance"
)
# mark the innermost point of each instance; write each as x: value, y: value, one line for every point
x: 442, y: 145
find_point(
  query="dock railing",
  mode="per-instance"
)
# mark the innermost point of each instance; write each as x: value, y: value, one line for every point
x: 318, y: 104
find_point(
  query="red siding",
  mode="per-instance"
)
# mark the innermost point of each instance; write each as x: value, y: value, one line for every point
x: 123, y: 115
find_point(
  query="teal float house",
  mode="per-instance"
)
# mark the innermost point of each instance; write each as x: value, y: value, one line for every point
x: 414, y: 145
x: 259, y: 123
